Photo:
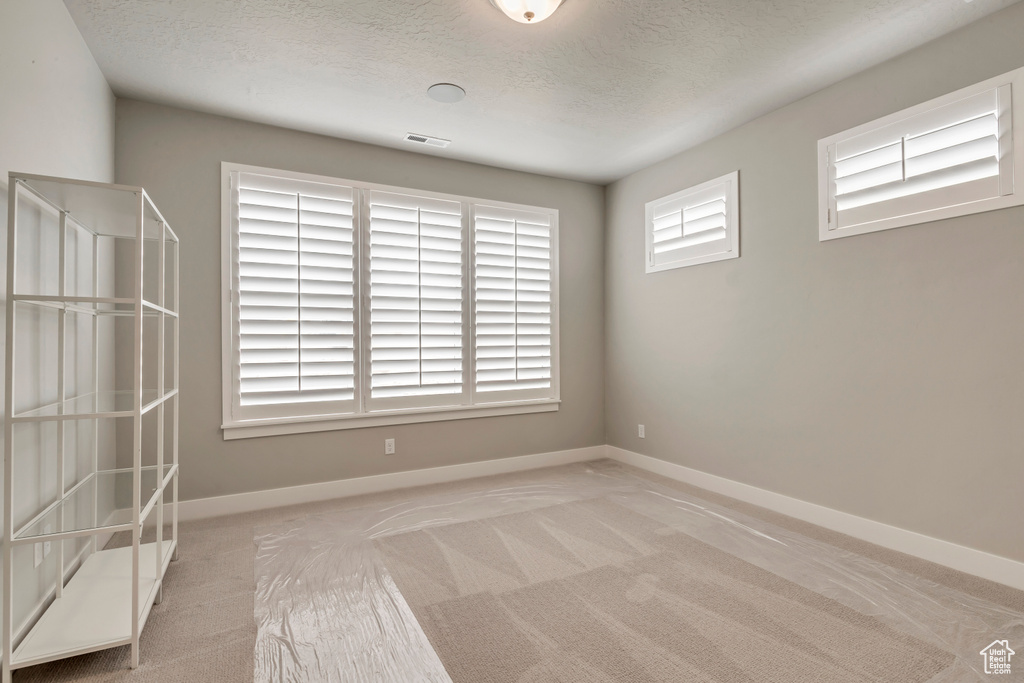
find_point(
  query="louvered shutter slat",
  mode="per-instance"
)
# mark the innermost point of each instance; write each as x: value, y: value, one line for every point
x: 295, y: 291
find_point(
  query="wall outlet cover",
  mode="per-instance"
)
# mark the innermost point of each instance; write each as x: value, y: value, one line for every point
x: 389, y: 446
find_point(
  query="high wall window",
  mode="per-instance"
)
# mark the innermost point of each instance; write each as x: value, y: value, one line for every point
x: 951, y: 156
x: 697, y: 225
x: 348, y: 304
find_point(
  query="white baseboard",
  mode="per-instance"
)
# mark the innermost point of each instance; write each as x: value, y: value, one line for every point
x: 977, y: 562
x: 217, y: 506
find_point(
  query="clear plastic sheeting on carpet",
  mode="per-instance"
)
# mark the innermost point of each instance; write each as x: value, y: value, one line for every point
x: 328, y: 609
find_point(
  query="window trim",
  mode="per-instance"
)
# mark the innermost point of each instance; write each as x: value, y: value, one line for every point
x: 234, y: 428
x: 731, y: 181
x: 323, y: 423
x: 826, y: 187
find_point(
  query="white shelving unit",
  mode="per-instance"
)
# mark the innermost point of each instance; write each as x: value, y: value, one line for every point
x: 91, y: 431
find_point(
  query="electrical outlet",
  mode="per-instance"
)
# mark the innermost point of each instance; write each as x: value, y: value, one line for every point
x: 37, y: 558
x: 389, y: 446
x: 47, y: 529
x: 640, y: 431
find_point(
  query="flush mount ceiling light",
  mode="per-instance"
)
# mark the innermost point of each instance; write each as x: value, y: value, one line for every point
x: 527, y: 11
x: 446, y: 92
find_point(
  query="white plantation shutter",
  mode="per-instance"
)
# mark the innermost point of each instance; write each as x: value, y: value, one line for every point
x: 696, y: 225
x: 514, y: 306
x: 947, y: 156
x: 350, y: 305
x: 950, y: 156
x: 678, y: 226
x: 416, y: 300
x: 294, y: 304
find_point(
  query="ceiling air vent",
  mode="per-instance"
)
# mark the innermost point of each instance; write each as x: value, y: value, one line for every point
x: 427, y: 140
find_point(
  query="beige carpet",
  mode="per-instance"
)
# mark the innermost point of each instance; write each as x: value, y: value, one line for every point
x: 591, y: 592
x: 204, y: 630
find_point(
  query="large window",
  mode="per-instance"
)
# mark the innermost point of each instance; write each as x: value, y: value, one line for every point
x: 952, y: 156
x: 348, y: 305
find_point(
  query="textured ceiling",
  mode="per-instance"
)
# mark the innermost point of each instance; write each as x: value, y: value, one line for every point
x: 601, y: 89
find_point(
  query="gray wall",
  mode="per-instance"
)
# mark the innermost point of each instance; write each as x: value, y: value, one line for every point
x: 56, y: 118
x: 56, y: 109
x: 881, y: 375
x: 176, y: 155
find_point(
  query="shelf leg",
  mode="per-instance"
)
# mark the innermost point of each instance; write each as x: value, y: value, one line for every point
x: 137, y: 445
x: 7, y: 625
x: 62, y: 318
x: 159, y: 595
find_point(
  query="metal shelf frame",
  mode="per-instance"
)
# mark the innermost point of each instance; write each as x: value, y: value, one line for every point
x: 96, y: 591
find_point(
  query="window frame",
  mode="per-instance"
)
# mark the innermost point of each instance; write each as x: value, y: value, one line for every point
x: 1013, y: 80
x: 732, y: 215
x: 235, y: 427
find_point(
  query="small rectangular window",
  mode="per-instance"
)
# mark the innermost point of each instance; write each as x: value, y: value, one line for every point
x: 951, y: 156
x: 696, y: 225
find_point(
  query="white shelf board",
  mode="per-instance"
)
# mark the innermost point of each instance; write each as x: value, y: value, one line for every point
x: 95, y: 611
x: 102, y: 404
x: 100, y: 208
x: 97, y: 492
x: 99, y: 305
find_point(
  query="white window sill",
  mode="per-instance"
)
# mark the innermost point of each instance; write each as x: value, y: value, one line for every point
x: 296, y: 425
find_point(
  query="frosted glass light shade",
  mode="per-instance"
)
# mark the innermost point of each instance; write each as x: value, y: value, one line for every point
x: 527, y: 11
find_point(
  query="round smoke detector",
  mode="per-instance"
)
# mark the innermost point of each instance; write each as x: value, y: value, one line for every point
x: 446, y: 92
